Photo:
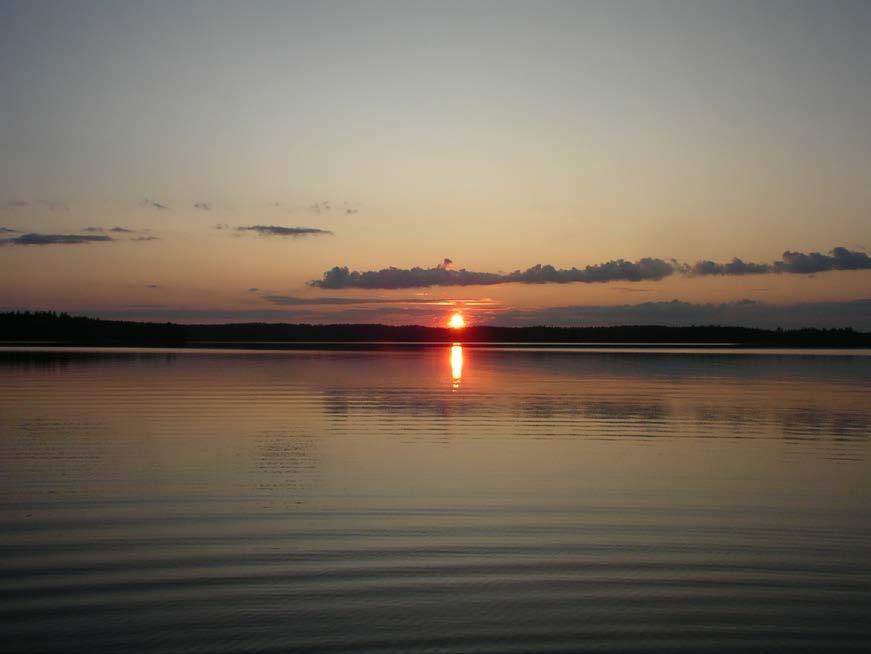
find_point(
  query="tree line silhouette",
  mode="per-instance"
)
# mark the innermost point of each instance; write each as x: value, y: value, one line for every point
x: 63, y: 329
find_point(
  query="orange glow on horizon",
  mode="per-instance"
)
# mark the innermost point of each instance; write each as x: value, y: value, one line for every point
x: 457, y: 321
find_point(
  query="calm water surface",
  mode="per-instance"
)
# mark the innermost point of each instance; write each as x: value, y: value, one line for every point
x: 434, y: 499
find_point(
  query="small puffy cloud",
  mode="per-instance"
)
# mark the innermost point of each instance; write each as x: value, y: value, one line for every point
x: 839, y: 258
x: 277, y: 230
x: 735, y: 267
x: 56, y: 239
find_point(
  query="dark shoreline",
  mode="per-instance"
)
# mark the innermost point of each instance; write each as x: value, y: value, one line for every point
x: 53, y: 329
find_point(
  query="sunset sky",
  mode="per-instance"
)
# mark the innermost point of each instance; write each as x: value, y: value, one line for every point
x: 208, y: 161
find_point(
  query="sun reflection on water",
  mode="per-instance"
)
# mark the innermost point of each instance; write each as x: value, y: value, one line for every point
x: 456, y: 364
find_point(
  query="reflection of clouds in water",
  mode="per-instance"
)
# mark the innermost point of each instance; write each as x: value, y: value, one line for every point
x: 718, y: 411
x: 816, y: 423
x: 706, y: 368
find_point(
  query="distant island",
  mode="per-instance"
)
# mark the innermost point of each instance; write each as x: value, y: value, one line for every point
x: 62, y: 329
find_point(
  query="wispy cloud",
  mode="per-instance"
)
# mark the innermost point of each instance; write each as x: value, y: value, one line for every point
x: 277, y: 230
x: 203, y: 206
x: 746, y: 313
x: 8, y: 230
x: 646, y: 269
x: 155, y: 204
x: 856, y: 314
x: 55, y: 239
x: 292, y: 300
x: 100, y: 230
x: 123, y: 231
x: 18, y: 204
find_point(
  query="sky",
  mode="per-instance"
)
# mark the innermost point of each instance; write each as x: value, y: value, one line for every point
x: 227, y: 161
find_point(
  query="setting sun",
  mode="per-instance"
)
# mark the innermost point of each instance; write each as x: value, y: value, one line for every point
x: 457, y: 321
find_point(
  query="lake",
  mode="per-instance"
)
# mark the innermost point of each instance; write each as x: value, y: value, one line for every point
x: 437, y: 499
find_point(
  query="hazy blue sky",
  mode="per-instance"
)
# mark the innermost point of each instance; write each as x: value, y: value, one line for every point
x: 497, y: 134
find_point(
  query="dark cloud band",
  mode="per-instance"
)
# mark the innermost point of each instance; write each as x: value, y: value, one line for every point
x: 839, y: 258
x: 55, y: 239
x: 646, y: 269
x: 277, y: 230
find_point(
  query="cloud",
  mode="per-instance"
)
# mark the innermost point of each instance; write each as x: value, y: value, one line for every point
x: 18, y: 204
x: 253, y: 289
x: 351, y: 208
x: 8, y: 230
x: 204, y: 206
x: 100, y: 230
x: 222, y: 226
x: 55, y: 239
x: 154, y: 204
x: 629, y: 289
x: 291, y: 300
x: 839, y: 258
x: 276, y: 230
x: 645, y: 269
x: 152, y: 286
x: 444, y: 275
x: 745, y: 313
x: 120, y: 230
x: 856, y: 314
x: 735, y: 267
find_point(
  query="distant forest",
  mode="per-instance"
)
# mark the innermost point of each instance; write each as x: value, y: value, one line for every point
x: 63, y: 329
